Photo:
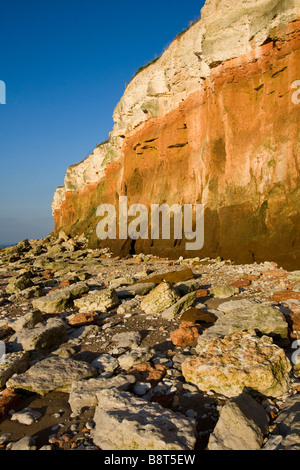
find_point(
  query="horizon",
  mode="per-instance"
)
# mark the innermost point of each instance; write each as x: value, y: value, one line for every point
x: 65, y: 69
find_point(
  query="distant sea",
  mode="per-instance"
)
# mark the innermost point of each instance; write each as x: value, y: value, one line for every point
x: 3, y: 246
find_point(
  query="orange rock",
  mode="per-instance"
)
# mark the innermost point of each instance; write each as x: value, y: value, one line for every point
x: 294, y: 321
x: 284, y: 295
x: 202, y: 293
x: 66, y: 283
x: 83, y: 319
x: 241, y: 283
x: 186, y: 334
x: 276, y: 273
x: 8, y: 401
x: 145, y: 372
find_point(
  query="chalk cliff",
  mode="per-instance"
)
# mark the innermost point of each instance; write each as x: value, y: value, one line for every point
x: 212, y: 121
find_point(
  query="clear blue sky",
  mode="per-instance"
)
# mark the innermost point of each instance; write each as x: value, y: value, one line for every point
x: 65, y: 64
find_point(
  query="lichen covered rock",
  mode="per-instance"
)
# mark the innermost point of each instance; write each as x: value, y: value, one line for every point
x: 240, y: 361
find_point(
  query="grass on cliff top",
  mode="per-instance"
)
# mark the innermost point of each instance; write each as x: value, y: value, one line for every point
x: 192, y: 23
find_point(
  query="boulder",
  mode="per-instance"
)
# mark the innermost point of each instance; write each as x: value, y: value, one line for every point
x: 224, y: 292
x: 52, y: 373
x: 183, y: 304
x: 137, y: 356
x: 40, y: 338
x: 128, y: 339
x: 160, y: 299
x: 14, y: 363
x: 237, y: 362
x: 264, y: 319
x: 288, y: 424
x: 84, y: 392
x: 18, y: 284
x: 125, y: 422
x: 61, y: 299
x: 242, y: 425
x: 99, y: 300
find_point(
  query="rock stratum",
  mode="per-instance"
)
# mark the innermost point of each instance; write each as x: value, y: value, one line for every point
x: 213, y: 121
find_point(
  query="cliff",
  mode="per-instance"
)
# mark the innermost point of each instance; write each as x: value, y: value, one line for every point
x: 212, y: 121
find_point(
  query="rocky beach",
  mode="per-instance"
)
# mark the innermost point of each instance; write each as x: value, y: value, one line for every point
x: 146, y: 353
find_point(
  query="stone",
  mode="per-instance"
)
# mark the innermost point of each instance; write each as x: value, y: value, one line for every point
x: 237, y: 362
x: 83, y: 319
x: 130, y: 339
x: 241, y: 283
x: 160, y: 299
x: 122, y: 281
x: 294, y: 276
x: 286, y: 295
x: 137, y: 356
x: 196, y: 315
x: 40, y: 338
x: 85, y: 331
x: 224, y: 292
x: 147, y: 373
x: 227, y: 307
x: 183, y: 304
x: 83, y: 393
x: 5, y: 438
x: 262, y: 318
x: 60, y: 300
x: 27, y: 321
x: 184, y: 288
x: 8, y: 401
x: 125, y: 422
x: 52, y: 374
x: 14, y: 363
x: 186, y: 334
x: 171, y: 277
x: 105, y: 364
x: 99, y: 300
x: 242, y: 425
x: 26, y: 416
x: 18, y: 284
x: 27, y: 443
x: 136, y: 290
x: 288, y: 424
x: 27, y: 294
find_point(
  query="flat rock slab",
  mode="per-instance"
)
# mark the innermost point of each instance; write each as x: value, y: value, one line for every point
x: 240, y: 361
x: 136, y: 289
x: 242, y: 425
x: 53, y: 373
x: 224, y: 292
x: 126, y: 422
x: 264, y: 319
x: 173, y: 277
x: 84, y: 392
x: 61, y: 299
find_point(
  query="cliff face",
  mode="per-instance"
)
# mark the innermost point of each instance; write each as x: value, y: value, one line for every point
x: 213, y: 121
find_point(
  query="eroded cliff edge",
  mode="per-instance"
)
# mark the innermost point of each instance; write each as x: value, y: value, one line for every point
x: 213, y: 122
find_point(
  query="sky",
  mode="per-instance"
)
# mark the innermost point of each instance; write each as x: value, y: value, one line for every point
x: 65, y: 64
